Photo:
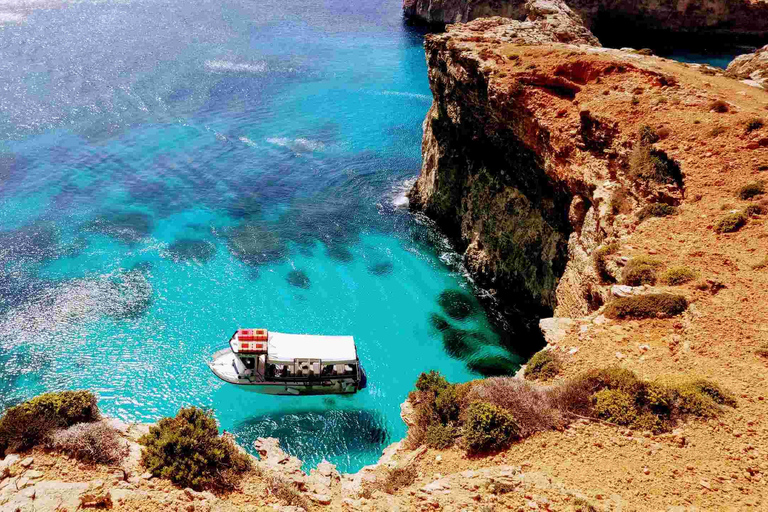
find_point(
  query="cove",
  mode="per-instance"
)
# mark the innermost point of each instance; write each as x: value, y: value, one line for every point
x: 172, y: 171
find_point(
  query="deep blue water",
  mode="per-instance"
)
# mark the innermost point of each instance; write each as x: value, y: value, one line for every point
x: 170, y: 171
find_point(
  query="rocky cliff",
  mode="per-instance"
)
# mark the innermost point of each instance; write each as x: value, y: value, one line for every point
x: 623, y: 22
x: 751, y: 67
x: 516, y: 169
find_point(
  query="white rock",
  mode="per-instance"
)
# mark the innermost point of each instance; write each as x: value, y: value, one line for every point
x: 27, y: 462
x: 33, y: 474
x: 322, y: 499
x: 573, y: 350
x: 619, y: 355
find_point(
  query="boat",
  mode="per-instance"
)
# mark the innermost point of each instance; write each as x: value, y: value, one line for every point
x: 276, y: 363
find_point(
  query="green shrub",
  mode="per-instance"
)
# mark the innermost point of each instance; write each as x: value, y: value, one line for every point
x: 431, y: 381
x: 639, y: 271
x: 31, y: 422
x: 611, y: 378
x: 447, y: 404
x: 647, y: 306
x: 188, y: 451
x: 656, y: 210
x: 678, y: 275
x: 730, y: 223
x: 599, y: 257
x: 615, y: 406
x: 543, y: 365
x: 713, y: 391
x: 488, y: 427
x: 650, y: 164
x: 648, y: 135
x: 751, y: 190
x: 719, y: 106
x: 440, y: 436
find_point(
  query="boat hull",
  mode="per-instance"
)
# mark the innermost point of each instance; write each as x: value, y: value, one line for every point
x: 223, y: 366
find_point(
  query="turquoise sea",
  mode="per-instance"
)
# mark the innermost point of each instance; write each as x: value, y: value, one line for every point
x: 171, y: 171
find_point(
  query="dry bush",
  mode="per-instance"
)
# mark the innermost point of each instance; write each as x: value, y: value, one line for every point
x: 719, y: 106
x: 649, y: 164
x: 754, y: 124
x: 287, y: 493
x: 91, y: 442
x: 656, y: 210
x: 535, y: 408
x: 620, y: 202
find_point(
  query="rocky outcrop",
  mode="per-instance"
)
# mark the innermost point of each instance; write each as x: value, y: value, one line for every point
x: 517, y: 170
x: 624, y: 21
x: 752, y: 68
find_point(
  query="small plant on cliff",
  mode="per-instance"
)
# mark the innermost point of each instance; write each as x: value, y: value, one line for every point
x: 544, y: 364
x: 648, y: 135
x: 287, y: 492
x: 188, y: 451
x: 488, y: 428
x: 678, y: 275
x: 730, y: 223
x: 656, y: 210
x: 649, y: 164
x: 717, y: 131
x: 754, y: 124
x: 762, y: 351
x: 753, y: 210
x: 439, y: 436
x: 31, y: 422
x: 640, y: 270
x: 719, y: 106
x: 599, y: 259
x: 751, y: 190
x: 647, y: 306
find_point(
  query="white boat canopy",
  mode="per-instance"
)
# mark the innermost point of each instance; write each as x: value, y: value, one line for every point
x: 284, y: 348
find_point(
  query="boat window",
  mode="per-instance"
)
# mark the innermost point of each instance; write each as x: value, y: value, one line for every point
x: 249, y: 362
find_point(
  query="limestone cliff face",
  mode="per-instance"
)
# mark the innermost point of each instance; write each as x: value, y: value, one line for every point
x: 621, y: 18
x: 516, y: 170
x: 752, y: 68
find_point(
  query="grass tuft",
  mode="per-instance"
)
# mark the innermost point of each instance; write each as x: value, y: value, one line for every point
x: 751, y: 190
x: 639, y: 271
x: 544, y: 364
x: 731, y: 223
x: 647, y: 306
x: 675, y: 276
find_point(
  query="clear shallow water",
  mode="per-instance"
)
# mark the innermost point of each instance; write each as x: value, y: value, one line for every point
x: 170, y: 171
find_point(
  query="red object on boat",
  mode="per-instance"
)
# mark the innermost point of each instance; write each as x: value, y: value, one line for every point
x: 260, y: 334
x: 253, y: 347
x: 245, y: 335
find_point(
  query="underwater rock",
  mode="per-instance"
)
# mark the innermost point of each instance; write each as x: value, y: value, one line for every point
x: 460, y: 343
x: 381, y: 269
x: 299, y: 279
x: 339, y: 252
x: 255, y: 245
x: 493, y: 366
x: 189, y: 249
x: 456, y: 304
x: 127, y: 227
x: 36, y: 242
x: 438, y: 322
